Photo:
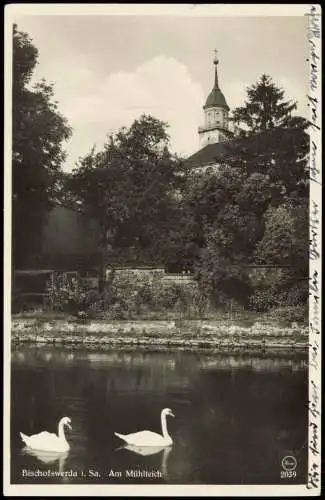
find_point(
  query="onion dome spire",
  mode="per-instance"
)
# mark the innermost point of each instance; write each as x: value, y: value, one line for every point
x: 216, y: 97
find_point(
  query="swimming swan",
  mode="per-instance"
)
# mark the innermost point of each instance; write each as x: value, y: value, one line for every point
x: 46, y: 441
x: 148, y: 438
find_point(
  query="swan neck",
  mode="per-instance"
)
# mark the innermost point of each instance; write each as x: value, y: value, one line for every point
x: 164, y: 425
x: 61, y: 430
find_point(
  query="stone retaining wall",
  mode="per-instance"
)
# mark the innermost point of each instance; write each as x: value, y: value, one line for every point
x: 206, y: 334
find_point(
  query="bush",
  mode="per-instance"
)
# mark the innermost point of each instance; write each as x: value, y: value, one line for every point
x: 67, y: 295
x: 122, y: 299
x: 290, y: 294
x: 290, y: 314
x: 185, y: 300
x: 264, y: 298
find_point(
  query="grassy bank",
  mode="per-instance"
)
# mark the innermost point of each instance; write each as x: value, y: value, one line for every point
x: 223, y: 333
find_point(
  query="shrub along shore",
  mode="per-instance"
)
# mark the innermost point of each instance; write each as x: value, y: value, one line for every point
x: 159, y: 333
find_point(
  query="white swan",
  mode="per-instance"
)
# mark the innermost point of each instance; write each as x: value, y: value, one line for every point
x: 148, y: 438
x: 46, y: 441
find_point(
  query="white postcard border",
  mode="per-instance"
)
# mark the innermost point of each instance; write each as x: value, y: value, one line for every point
x: 312, y: 488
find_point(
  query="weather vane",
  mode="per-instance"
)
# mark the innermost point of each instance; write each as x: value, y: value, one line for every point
x: 215, y: 55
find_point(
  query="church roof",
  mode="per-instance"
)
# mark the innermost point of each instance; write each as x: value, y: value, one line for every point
x: 209, y: 154
x: 216, y: 98
x: 215, y: 152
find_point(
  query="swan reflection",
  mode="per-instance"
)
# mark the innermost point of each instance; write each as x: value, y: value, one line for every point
x: 151, y: 450
x: 48, y: 457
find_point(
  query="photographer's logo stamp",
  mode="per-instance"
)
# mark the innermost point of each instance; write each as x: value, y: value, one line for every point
x: 289, y: 464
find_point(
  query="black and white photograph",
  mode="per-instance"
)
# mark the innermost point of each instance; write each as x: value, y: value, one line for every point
x: 162, y: 250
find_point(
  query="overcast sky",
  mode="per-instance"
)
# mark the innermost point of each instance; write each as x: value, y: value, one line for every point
x: 108, y: 70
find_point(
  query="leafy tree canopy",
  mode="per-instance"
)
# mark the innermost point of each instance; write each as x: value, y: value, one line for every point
x: 129, y: 187
x: 38, y: 131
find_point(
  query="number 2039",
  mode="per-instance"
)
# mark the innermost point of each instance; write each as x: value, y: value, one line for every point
x: 286, y: 474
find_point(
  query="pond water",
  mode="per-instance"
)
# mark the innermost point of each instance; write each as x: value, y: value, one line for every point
x: 236, y: 416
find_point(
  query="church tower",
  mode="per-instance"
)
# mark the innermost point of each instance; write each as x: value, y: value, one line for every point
x: 216, y: 114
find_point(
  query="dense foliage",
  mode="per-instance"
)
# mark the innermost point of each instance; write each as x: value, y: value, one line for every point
x: 38, y: 131
x: 129, y: 188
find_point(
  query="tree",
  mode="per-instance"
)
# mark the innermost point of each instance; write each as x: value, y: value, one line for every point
x: 285, y: 238
x: 285, y: 246
x: 129, y: 188
x: 38, y: 131
x: 265, y: 108
x: 274, y: 141
x: 227, y: 207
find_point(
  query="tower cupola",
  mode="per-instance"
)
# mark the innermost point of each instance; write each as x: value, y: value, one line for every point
x: 216, y: 112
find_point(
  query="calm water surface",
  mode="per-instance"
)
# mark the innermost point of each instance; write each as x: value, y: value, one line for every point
x: 237, y: 416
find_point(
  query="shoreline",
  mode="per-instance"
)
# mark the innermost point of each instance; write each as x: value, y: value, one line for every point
x: 184, y: 334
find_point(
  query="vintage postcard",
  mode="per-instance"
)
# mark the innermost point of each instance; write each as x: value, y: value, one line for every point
x: 162, y: 250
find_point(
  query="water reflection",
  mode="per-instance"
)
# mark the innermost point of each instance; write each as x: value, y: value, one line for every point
x: 47, y: 458
x: 145, y: 451
x: 42, y: 354
x: 237, y: 416
x: 256, y: 363
x: 270, y: 361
